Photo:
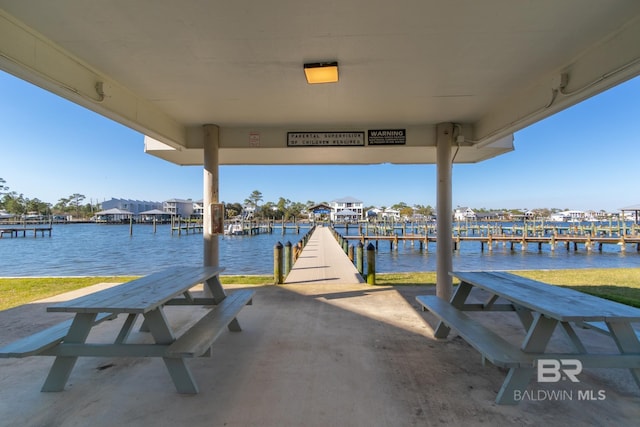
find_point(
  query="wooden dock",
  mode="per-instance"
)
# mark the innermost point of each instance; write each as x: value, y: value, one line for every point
x: 496, y: 228
x: 323, y: 261
x: 588, y: 242
x: 250, y: 228
x: 17, y: 231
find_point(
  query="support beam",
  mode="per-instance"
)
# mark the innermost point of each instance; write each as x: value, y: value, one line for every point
x: 211, y: 194
x: 444, y: 257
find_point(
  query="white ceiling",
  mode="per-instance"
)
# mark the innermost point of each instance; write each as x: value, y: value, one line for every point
x: 169, y: 67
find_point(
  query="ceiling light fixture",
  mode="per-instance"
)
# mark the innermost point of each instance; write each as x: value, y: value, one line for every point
x: 321, y: 72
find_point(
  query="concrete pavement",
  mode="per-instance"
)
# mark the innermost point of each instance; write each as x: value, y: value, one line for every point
x: 309, y: 355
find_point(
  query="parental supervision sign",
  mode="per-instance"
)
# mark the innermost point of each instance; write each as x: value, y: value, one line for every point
x: 325, y: 139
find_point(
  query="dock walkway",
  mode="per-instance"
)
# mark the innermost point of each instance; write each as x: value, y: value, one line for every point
x: 323, y: 261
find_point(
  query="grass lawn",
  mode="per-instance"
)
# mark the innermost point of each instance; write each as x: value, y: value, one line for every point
x: 619, y: 284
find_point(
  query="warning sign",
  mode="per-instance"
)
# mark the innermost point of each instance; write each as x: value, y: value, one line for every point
x: 387, y: 137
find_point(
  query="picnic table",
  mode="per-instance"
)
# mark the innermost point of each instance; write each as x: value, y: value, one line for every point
x: 148, y: 296
x: 541, y: 309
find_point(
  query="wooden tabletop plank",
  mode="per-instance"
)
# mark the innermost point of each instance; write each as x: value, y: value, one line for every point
x: 560, y: 303
x: 140, y: 295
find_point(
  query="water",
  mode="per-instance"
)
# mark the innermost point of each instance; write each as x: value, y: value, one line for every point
x: 98, y: 249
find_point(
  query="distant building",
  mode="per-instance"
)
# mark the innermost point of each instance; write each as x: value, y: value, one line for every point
x: 491, y: 216
x: 198, y: 208
x: 319, y: 211
x: 392, y: 214
x: 179, y: 207
x: 374, y: 213
x: 133, y: 206
x: 568, y: 216
x: 464, y: 214
x: 347, y: 209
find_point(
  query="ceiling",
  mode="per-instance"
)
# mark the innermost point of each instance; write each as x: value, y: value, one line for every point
x: 166, y: 68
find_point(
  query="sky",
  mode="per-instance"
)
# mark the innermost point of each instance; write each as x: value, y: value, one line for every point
x: 585, y: 157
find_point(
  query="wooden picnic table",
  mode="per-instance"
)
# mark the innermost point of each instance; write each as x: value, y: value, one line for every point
x: 541, y: 308
x: 147, y: 296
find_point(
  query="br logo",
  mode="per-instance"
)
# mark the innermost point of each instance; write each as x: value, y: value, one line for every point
x: 554, y: 370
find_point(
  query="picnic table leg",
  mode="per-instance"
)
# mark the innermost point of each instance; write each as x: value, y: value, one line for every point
x: 516, y: 380
x: 525, y: 316
x: 627, y: 341
x: 539, y: 334
x: 63, y: 365
x: 126, y: 328
x: 573, y: 337
x: 536, y: 341
x: 457, y: 300
x: 215, y: 287
x: 178, y: 369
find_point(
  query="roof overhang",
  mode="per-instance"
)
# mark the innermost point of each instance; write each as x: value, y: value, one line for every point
x: 253, y: 146
x: 168, y: 68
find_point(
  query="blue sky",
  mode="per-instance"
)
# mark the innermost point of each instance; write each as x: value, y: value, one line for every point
x: 585, y: 157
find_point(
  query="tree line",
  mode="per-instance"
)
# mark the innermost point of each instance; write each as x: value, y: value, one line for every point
x: 289, y: 210
x: 17, y: 204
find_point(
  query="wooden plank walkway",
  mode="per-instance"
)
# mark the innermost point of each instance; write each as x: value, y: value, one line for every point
x: 323, y: 261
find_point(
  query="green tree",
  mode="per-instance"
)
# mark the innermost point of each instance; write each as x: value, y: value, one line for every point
x: 14, y: 203
x: 423, y: 210
x: 254, y: 198
x: 3, y: 187
x: 296, y: 209
x: 269, y: 210
x: 62, y: 206
x: 75, y: 200
x: 232, y: 210
x: 283, y: 207
x: 38, y: 206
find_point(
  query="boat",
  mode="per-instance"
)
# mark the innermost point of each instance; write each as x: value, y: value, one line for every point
x: 234, y: 229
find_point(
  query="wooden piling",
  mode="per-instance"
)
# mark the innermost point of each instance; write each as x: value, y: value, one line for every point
x: 371, y: 265
x: 287, y: 258
x: 277, y: 264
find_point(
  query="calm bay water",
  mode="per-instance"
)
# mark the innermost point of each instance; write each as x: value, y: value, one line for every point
x: 98, y: 249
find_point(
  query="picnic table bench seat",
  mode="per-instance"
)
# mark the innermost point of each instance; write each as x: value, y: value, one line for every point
x: 600, y: 327
x: 489, y: 344
x: 44, y: 340
x: 199, y: 338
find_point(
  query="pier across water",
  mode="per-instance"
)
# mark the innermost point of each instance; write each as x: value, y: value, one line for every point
x: 323, y: 261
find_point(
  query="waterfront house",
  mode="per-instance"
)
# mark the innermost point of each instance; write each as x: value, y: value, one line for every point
x: 248, y: 211
x: 133, y: 206
x: 178, y: 207
x: 391, y: 214
x: 198, y: 208
x: 491, y: 216
x: 5, y: 215
x: 347, y: 209
x: 464, y: 214
x: 568, y: 216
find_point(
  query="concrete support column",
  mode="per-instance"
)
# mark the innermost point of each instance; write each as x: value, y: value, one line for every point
x: 211, y: 194
x: 444, y: 249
